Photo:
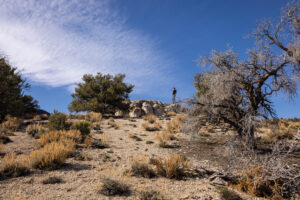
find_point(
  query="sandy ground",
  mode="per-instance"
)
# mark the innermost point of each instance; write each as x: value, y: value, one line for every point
x: 83, y: 178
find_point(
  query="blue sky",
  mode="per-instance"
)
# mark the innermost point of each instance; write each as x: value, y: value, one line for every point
x: 155, y: 43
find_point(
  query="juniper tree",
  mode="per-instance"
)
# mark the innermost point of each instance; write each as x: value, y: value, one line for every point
x: 101, y: 93
x: 13, y: 101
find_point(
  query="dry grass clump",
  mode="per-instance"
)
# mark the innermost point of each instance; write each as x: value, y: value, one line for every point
x: 35, y: 130
x: 171, y: 114
x: 52, y: 155
x: 83, y: 127
x: 174, y: 125
x: 254, y: 182
x: 113, y: 187
x: 52, y: 180
x: 227, y: 194
x: 11, y: 123
x: 55, y: 136
x: 104, y: 140
x: 93, y: 117
x: 150, y: 194
x: 140, y: 167
x: 156, y: 126
x: 150, y: 118
x: 164, y: 136
x: 173, y: 167
x: 112, y: 123
x: 13, y: 167
x: 135, y: 137
x: 273, y: 133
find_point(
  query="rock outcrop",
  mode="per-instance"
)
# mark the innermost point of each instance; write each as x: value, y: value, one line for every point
x: 139, y: 108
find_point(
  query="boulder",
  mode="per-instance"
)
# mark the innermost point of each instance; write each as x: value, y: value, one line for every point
x: 147, y: 108
x: 158, y: 109
x: 119, y: 113
x: 173, y: 108
x: 136, y: 112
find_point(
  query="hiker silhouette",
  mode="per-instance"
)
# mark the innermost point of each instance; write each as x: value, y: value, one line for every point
x: 174, y: 95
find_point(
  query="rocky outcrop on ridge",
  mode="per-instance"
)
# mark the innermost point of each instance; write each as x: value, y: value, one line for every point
x: 139, y: 108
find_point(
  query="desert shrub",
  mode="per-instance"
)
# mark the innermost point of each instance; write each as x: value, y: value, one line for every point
x: 93, y: 117
x: 111, y: 187
x: 12, y: 167
x: 173, y: 167
x: 150, y: 118
x: 35, y: 130
x: 228, y: 194
x: 150, y: 195
x: 88, y: 141
x: 156, y: 126
x: 165, y: 136
x: 255, y: 182
x: 11, y: 123
x: 84, y: 128
x: 174, y: 125
x: 57, y: 121
x: 113, y: 123
x: 55, y: 136
x: 52, y: 155
x: 52, y: 180
x: 140, y: 167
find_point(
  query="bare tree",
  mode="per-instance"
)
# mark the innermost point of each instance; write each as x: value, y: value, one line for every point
x: 238, y: 92
x: 285, y: 34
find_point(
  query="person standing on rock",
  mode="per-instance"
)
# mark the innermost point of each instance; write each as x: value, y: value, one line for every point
x: 174, y: 95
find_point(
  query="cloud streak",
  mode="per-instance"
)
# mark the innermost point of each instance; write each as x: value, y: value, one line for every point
x: 56, y: 42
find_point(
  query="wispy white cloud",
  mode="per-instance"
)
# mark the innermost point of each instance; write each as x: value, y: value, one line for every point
x: 56, y: 42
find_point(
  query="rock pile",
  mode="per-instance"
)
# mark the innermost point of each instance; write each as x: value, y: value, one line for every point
x: 139, y: 108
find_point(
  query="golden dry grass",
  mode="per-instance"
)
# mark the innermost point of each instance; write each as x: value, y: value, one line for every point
x: 93, y: 117
x: 174, y: 125
x: 140, y: 167
x: 35, y: 129
x: 52, y: 155
x: 11, y: 123
x: 104, y: 139
x: 254, y: 183
x: 285, y: 129
x: 112, y: 123
x: 150, y: 118
x: 171, y: 114
x: 88, y: 141
x: 156, y: 126
x: 165, y: 136
x: 55, y: 136
x: 13, y: 167
x: 174, y: 166
x: 150, y: 194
